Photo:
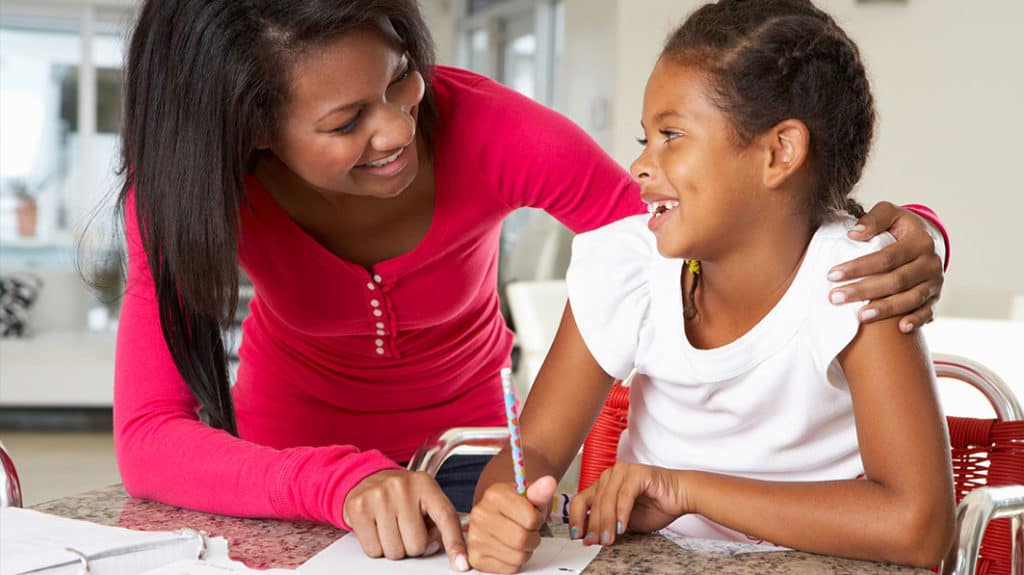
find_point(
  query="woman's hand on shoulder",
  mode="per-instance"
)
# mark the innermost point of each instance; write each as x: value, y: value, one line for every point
x: 643, y: 498
x: 397, y: 514
x: 906, y: 277
x: 504, y: 527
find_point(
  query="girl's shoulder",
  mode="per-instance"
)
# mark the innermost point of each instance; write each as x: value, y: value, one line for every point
x: 627, y: 237
x: 608, y: 283
x: 621, y: 251
x: 831, y: 327
x: 832, y: 241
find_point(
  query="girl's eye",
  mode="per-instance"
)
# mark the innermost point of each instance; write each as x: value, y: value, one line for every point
x: 642, y: 141
x: 348, y: 126
x: 670, y: 134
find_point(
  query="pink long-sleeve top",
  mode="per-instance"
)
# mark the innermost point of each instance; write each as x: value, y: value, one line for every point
x: 345, y: 370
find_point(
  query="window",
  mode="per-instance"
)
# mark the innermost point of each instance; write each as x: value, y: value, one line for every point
x: 512, y: 41
x: 519, y: 43
x: 60, y: 109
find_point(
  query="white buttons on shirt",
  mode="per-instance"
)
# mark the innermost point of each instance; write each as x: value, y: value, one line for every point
x: 377, y: 313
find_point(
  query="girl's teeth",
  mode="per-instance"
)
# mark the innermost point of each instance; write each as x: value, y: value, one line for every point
x: 659, y: 208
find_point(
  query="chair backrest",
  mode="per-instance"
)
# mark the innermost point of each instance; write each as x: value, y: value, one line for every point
x: 602, y: 443
x: 985, y: 452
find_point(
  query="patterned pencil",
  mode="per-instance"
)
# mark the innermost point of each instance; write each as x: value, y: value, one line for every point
x: 514, y: 439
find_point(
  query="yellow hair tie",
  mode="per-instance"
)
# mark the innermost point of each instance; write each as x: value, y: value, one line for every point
x: 693, y: 266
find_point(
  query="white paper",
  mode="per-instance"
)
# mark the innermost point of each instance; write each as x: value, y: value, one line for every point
x: 555, y: 556
x: 718, y: 546
x: 35, y: 541
x: 196, y: 567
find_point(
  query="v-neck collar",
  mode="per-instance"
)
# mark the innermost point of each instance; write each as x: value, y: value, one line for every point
x: 264, y: 203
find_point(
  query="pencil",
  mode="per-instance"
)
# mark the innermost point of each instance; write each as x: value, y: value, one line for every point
x: 514, y: 439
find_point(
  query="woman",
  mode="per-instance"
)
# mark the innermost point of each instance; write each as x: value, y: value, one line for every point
x: 314, y: 144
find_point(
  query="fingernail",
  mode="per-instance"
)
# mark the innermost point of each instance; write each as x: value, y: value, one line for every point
x: 907, y: 327
x: 618, y: 528
x: 605, y: 537
x: 835, y: 275
x: 574, y: 533
x: 868, y: 314
x: 432, y: 548
x: 837, y: 297
x: 858, y: 228
x: 590, y: 536
x: 461, y: 563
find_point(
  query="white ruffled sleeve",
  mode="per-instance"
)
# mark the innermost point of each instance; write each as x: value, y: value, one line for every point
x: 608, y: 290
x: 835, y: 326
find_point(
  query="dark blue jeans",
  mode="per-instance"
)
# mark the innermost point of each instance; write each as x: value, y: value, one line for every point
x: 458, y: 477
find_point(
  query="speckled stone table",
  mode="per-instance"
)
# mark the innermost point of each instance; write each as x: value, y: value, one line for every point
x: 265, y: 543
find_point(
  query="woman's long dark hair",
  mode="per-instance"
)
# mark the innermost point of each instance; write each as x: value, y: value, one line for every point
x: 769, y: 60
x: 205, y: 81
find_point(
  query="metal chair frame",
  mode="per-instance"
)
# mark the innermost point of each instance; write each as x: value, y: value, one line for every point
x: 10, y: 486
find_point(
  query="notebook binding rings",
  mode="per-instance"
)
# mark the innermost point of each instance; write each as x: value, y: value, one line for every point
x: 85, y: 560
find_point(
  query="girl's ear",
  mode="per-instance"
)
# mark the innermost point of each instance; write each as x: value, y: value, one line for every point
x: 787, y: 145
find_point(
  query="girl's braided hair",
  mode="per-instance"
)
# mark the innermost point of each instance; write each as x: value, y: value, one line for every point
x: 771, y: 60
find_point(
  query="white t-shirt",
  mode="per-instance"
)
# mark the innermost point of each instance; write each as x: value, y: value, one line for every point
x: 772, y: 405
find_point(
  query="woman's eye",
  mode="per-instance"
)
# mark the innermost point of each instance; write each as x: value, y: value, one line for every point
x: 348, y: 126
x: 405, y: 74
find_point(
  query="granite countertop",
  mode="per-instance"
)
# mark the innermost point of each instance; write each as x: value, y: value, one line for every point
x: 266, y: 543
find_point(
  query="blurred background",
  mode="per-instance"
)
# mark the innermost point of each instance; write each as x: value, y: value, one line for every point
x: 946, y: 76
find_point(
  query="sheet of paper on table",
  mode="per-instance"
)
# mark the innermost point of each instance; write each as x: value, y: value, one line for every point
x: 718, y: 547
x: 197, y: 567
x: 555, y: 556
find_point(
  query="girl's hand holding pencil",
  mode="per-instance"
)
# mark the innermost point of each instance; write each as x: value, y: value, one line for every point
x: 504, y: 525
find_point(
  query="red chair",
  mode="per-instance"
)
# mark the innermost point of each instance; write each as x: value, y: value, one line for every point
x: 988, y: 469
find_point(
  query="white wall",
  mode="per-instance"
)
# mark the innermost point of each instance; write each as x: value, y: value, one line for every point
x: 440, y: 18
x: 588, y: 60
x: 949, y: 89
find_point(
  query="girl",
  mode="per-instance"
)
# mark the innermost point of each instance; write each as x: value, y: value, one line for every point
x: 759, y: 411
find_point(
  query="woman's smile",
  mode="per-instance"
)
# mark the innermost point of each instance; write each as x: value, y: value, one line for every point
x: 387, y: 166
